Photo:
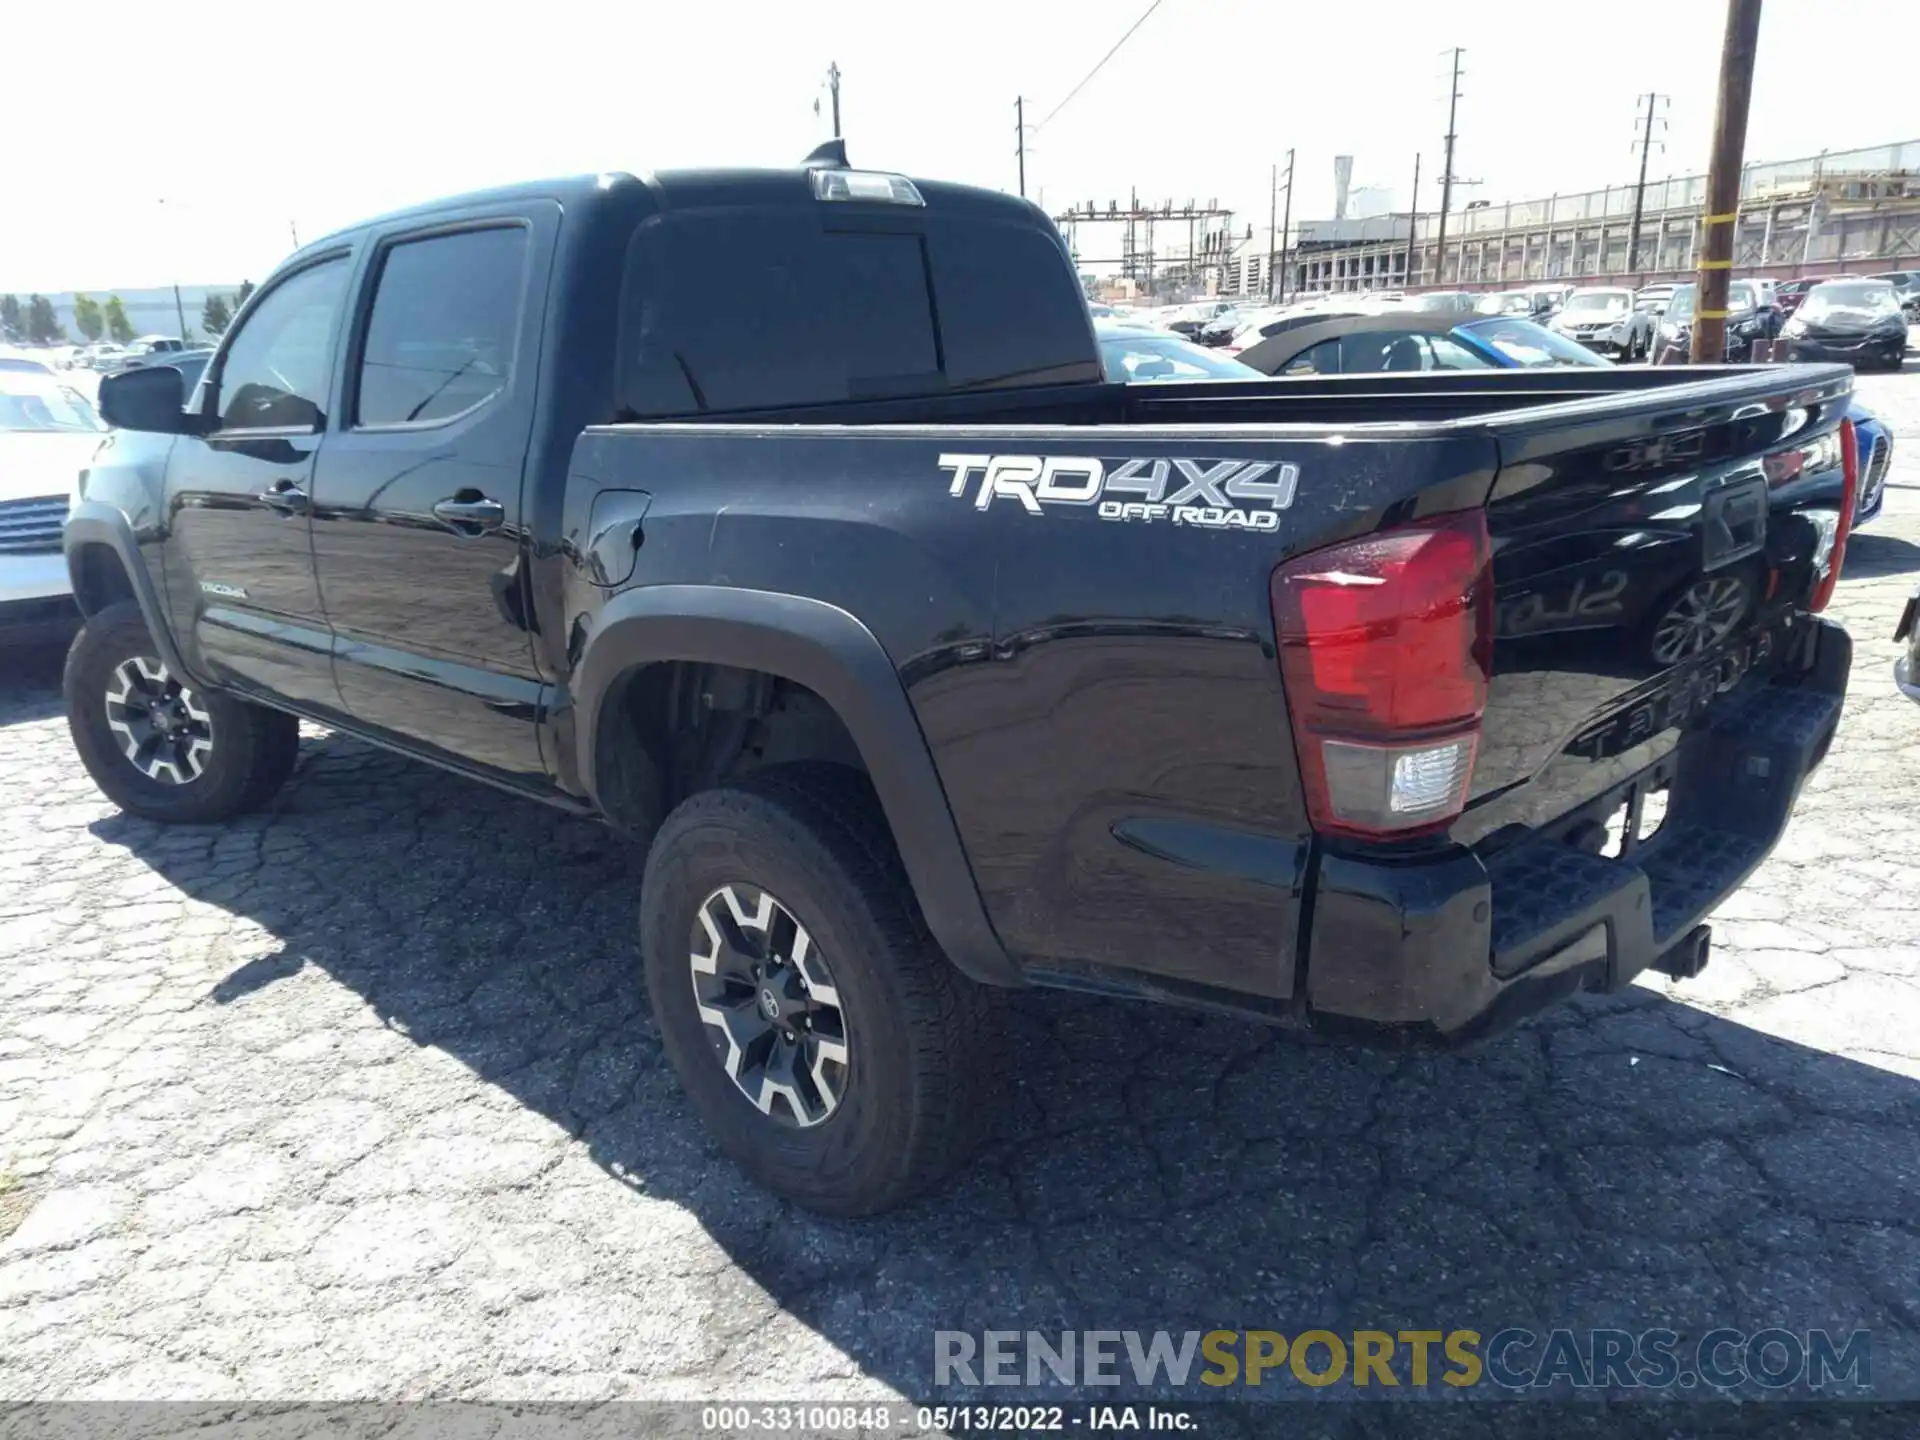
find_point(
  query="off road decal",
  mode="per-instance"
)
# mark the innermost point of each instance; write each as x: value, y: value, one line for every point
x: 1212, y: 494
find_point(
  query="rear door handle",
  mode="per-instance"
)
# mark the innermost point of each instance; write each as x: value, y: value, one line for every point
x: 285, y: 496
x: 476, y: 516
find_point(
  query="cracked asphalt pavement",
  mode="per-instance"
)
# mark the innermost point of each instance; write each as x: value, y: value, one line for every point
x: 359, y: 1099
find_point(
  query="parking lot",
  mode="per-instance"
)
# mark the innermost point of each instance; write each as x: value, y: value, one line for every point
x: 359, y: 1098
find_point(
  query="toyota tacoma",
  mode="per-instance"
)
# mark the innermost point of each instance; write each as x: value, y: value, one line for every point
x: 784, y: 521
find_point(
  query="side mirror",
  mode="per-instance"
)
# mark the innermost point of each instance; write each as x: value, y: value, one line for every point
x: 151, y: 398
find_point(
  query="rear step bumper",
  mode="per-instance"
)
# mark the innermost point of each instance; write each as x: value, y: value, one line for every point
x: 1444, y: 950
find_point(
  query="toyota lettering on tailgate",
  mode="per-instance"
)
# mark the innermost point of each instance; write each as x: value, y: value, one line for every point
x: 1211, y: 494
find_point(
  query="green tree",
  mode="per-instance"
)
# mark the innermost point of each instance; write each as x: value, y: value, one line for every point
x: 118, y: 326
x: 240, y: 298
x: 86, y: 315
x: 12, y: 322
x: 43, y: 326
x: 215, y: 316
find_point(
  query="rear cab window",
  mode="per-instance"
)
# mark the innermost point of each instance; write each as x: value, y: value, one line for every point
x: 766, y: 306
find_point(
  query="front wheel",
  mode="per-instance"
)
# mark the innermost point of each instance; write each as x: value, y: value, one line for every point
x: 159, y: 746
x: 838, y: 1058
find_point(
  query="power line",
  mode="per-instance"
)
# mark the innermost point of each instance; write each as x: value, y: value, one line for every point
x: 1103, y: 60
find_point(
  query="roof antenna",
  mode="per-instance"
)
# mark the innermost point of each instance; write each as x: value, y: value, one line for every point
x: 828, y: 155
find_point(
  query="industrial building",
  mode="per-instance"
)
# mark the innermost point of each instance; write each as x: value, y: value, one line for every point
x: 1850, y: 210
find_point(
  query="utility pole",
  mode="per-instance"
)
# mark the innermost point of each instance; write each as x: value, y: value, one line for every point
x: 179, y: 310
x: 1286, y: 228
x: 1273, y: 219
x: 1413, y: 223
x: 1645, y: 141
x: 1446, y: 173
x: 1020, y: 139
x: 295, y: 230
x: 833, y: 84
x: 1723, y: 180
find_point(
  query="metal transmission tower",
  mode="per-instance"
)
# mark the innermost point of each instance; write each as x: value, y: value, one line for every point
x: 1643, y: 140
x: 1137, y: 260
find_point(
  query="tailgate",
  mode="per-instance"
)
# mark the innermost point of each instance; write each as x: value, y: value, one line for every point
x: 1649, y: 552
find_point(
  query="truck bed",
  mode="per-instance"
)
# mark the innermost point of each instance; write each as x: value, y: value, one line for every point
x: 1102, y: 701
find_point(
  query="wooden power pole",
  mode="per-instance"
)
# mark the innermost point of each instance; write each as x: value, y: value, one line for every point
x: 1643, y: 137
x: 1286, y: 230
x: 1446, y: 173
x: 1723, y: 180
x: 1413, y: 225
x: 1273, y: 228
x: 1020, y: 139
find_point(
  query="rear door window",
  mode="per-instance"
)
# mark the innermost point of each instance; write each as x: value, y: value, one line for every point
x: 445, y: 319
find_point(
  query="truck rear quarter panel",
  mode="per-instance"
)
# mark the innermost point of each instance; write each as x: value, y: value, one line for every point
x: 1098, y: 691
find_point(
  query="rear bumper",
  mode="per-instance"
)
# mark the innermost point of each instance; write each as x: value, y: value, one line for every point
x: 1445, y: 949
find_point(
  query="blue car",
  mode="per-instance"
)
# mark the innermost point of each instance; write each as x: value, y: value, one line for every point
x: 1402, y: 340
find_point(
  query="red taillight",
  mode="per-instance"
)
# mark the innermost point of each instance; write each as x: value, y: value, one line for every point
x: 1385, y: 647
x: 1849, y: 494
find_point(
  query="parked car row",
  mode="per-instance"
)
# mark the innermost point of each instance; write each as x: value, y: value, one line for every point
x: 1379, y: 343
x: 1856, y: 320
x: 109, y: 358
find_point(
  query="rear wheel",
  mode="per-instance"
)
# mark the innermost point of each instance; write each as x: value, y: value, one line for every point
x: 839, y: 1059
x: 159, y: 746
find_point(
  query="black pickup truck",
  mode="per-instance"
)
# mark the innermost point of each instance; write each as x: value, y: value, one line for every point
x: 783, y: 519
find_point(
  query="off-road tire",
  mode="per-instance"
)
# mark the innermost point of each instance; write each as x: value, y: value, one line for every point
x: 924, y: 1063
x: 253, y: 747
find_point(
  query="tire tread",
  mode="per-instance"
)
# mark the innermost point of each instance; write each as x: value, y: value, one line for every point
x: 255, y: 748
x: 829, y: 814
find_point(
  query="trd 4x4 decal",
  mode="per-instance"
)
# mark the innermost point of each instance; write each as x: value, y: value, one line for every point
x: 1213, y: 494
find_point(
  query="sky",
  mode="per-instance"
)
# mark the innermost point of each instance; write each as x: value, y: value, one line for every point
x: 305, y: 118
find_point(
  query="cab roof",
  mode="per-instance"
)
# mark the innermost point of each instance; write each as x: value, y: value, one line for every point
x: 692, y: 190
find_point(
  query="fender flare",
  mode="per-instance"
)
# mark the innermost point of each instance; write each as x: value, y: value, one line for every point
x: 830, y: 652
x: 92, y: 522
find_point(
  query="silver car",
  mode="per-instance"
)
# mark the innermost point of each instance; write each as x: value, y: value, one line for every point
x: 1606, y: 321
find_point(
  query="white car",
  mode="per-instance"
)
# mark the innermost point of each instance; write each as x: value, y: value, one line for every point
x: 1608, y: 321
x: 48, y: 433
x: 97, y: 356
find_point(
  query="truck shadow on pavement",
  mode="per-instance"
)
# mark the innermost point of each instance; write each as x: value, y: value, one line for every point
x: 1626, y: 1161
